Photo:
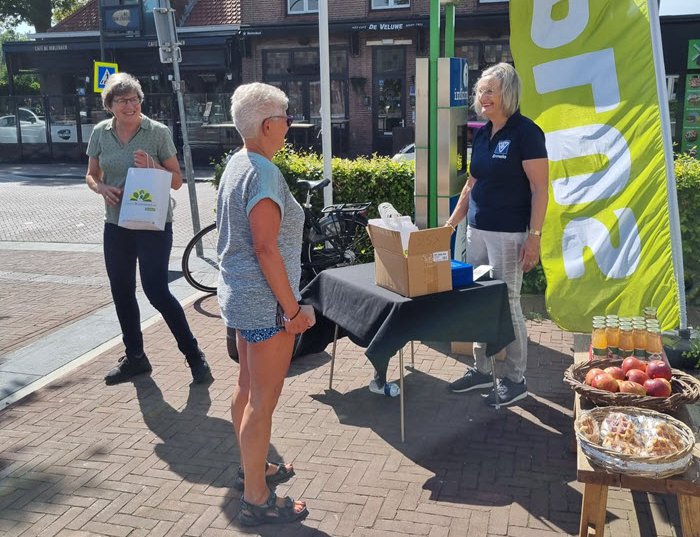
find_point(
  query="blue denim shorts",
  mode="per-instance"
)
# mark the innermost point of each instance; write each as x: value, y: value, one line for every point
x: 257, y: 335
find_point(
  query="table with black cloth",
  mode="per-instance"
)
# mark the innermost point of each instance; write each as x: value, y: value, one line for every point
x: 382, y: 321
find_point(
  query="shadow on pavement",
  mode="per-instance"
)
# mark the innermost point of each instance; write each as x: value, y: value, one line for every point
x: 477, y: 455
x: 201, y: 448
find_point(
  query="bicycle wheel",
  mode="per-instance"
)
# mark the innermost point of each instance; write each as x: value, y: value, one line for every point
x: 200, y: 262
x: 343, y: 241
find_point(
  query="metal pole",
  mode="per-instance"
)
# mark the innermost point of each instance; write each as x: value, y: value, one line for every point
x: 99, y: 21
x: 434, y: 54
x: 673, y: 215
x: 187, y: 154
x: 326, y: 125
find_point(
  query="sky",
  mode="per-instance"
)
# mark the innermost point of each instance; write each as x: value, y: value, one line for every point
x: 667, y: 7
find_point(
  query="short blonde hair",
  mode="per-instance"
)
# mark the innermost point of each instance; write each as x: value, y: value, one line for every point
x: 252, y: 103
x: 120, y: 84
x: 510, y: 84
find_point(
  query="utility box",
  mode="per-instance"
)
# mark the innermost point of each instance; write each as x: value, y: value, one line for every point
x: 424, y: 268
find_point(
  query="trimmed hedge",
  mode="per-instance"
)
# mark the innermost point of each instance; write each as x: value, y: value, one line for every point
x: 687, y: 170
x: 377, y: 179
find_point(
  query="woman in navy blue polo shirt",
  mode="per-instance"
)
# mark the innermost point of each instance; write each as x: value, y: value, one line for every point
x: 504, y: 200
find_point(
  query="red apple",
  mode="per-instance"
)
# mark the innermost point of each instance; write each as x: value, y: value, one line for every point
x: 659, y: 369
x: 615, y: 372
x: 638, y: 376
x: 591, y: 375
x: 633, y: 363
x: 659, y: 387
x: 627, y: 386
x: 605, y: 381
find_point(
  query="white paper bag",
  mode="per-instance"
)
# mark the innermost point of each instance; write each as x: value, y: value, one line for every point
x: 146, y: 199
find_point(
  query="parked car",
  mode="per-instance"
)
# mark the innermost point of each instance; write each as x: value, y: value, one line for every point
x: 408, y: 152
x: 32, y: 126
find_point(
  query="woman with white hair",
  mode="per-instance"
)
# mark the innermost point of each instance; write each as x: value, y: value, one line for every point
x: 505, y: 201
x: 260, y: 228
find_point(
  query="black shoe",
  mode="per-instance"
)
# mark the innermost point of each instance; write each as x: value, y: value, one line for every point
x: 128, y: 368
x: 201, y: 373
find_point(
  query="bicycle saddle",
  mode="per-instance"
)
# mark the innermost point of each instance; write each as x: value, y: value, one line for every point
x: 313, y: 185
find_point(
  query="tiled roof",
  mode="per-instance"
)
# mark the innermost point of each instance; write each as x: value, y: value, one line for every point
x: 85, y: 19
x: 195, y: 12
x: 214, y: 12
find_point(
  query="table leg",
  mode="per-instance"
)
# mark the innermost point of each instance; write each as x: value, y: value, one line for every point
x: 401, y: 393
x: 495, y: 380
x: 335, y: 341
x: 689, y: 509
x: 413, y: 363
x: 593, y: 509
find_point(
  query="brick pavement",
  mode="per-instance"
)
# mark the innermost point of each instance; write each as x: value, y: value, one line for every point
x: 157, y: 457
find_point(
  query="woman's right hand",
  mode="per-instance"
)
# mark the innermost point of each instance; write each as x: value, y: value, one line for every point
x: 111, y: 194
x: 304, y: 320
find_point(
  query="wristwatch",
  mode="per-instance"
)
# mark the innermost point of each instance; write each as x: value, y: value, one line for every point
x: 535, y: 232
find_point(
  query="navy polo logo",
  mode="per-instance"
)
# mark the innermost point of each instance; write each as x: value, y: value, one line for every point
x: 501, y: 149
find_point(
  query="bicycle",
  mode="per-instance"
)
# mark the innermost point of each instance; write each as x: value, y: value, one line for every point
x: 335, y: 238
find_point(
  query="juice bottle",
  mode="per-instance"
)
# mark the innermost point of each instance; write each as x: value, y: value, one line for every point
x: 654, y: 345
x: 650, y: 312
x: 612, y: 335
x: 599, y: 341
x: 640, y: 339
x: 626, y: 341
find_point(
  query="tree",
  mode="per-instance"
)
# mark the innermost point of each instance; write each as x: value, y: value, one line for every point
x: 39, y: 13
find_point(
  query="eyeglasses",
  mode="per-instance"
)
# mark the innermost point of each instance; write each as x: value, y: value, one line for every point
x: 289, y: 119
x: 133, y: 100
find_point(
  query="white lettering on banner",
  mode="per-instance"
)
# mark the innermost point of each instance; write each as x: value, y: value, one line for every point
x: 590, y: 140
x: 549, y: 33
x: 614, y: 262
x: 598, y: 70
x: 594, y: 68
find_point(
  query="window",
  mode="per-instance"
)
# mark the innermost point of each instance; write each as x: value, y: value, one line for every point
x: 297, y: 73
x: 390, y: 4
x: 302, y: 6
x: 470, y: 51
x: 497, y: 52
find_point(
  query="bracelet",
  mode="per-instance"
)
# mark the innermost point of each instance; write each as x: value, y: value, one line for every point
x: 448, y: 223
x: 290, y: 319
x: 535, y: 232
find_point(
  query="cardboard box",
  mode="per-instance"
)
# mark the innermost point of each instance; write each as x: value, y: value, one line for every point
x: 424, y: 270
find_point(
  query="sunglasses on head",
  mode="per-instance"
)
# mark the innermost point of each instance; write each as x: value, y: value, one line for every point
x: 288, y: 119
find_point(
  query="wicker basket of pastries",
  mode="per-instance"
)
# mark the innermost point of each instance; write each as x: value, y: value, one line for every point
x: 635, y: 441
x: 630, y: 388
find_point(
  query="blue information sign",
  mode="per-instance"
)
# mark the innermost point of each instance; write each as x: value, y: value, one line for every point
x: 102, y: 72
x: 459, y: 82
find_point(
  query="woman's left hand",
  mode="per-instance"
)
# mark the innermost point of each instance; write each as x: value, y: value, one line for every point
x: 530, y: 253
x: 143, y: 159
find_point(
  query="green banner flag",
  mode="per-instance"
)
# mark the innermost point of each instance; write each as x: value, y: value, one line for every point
x: 589, y: 82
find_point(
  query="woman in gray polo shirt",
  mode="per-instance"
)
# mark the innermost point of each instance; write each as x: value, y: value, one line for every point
x: 130, y: 139
x: 260, y: 233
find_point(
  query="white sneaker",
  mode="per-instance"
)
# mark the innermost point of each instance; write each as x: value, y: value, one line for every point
x: 390, y: 389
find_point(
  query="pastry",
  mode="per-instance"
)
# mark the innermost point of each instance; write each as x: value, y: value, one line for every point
x: 588, y: 427
x: 695, y: 82
x: 664, y: 441
x: 621, y: 434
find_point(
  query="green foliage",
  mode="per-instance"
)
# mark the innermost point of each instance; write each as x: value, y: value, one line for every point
x: 38, y: 13
x: 688, y: 186
x: 374, y: 179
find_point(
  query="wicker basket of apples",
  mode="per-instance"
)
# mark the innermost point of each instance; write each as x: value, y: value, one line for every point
x: 651, y: 384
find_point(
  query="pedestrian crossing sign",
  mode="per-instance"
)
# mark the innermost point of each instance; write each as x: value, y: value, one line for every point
x: 103, y: 71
